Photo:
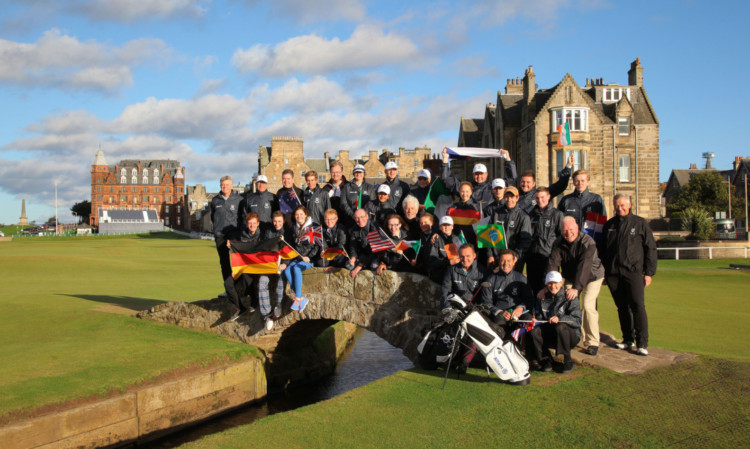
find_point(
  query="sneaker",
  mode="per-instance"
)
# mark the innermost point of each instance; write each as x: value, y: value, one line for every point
x: 547, y: 366
x: 269, y: 323
x: 642, y: 351
x: 277, y: 311
x: 568, y: 366
x: 303, y: 304
x: 591, y: 350
x: 295, y: 305
x: 535, y: 365
x: 235, y: 315
x: 626, y: 345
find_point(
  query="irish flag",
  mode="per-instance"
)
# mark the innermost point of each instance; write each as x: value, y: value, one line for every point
x: 464, y: 216
x: 594, y: 224
x: 564, y: 137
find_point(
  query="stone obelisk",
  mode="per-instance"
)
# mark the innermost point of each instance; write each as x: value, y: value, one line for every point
x: 24, y: 220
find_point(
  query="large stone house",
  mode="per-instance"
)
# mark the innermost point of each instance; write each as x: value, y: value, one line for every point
x: 614, y: 131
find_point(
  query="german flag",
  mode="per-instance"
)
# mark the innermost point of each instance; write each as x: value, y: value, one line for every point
x: 464, y: 216
x: 258, y: 257
x: 332, y: 253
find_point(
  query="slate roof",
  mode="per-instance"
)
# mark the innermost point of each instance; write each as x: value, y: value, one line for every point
x: 319, y: 165
x: 471, y: 128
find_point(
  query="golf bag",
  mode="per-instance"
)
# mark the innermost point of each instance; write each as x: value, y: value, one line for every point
x: 436, y: 345
x: 503, y: 358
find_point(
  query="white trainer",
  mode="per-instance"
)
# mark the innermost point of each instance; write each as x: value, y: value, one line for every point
x: 642, y: 351
x: 269, y: 323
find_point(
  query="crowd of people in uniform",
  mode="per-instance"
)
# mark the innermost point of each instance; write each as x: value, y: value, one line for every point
x: 565, y: 267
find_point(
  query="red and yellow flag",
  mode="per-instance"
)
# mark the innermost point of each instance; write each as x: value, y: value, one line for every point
x: 258, y: 257
x: 464, y: 216
x: 332, y: 253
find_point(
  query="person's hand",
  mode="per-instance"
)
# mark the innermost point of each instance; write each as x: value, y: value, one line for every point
x: 646, y: 281
x: 352, y: 261
x: 229, y: 244
x: 445, y: 155
x: 433, y: 238
x: 355, y: 271
x: 533, y: 320
x: 414, y: 263
x: 400, y: 251
x: 380, y: 269
x: 517, y: 312
x: 554, y: 320
x: 306, y: 259
x: 571, y: 294
x: 506, y: 315
x: 571, y: 160
x: 282, y: 266
x: 541, y: 293
x: 505, y: 154
x: 454, y: 260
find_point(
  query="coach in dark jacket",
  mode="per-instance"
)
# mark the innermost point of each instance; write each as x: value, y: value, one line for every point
x: 545, y: 229
x: 287, y: 182
x: 352, y: 192
x: 464, y: 278
x: 628, y: 251
x: 360, y: 252
x: 315, y: 198
x: 261, y: 202
x: 227, y: 223
x: 508, y: 295
x: 581, y: 201
x: 517, y: 227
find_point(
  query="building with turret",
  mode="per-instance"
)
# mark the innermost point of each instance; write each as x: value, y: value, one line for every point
x: 157, y: 185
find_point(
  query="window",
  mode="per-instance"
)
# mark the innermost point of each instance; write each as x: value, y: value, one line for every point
x: 122, y: 172
x: 135, y: 189
x: 580, y: 159
x: 156, y: 172
x: 166, y: 208
x: 134, y: 180
x: 145, y: 172
x: 178, y: 209
x: 577, y: 118
x: 110, y: 200
x: 624, y: 168
x: 145, y: 180
x: 134, y: 172
x: 122, y: 180
x: 167, y: 190
x: 156, y: 190
x: 156, y: 180
x: 615, y: 93
x: 416, y: 163
x: 179, y: 221
x: 122, y: 189
x: 135, y: 199
x: 111, y: 190
x: 623, y: 125
x: 166, y: 221
x: 99, y: 189
x: 322, y: 179
x: 145, y: 190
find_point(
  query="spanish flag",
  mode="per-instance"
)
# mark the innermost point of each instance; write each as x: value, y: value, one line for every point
x: 491, y: 236
x: 464, y: 216
x: 258, y: 257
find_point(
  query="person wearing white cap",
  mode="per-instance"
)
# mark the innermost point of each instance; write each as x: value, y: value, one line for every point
x: 422, y: 187
x: 262, y: 202
x: 355, y: 194
x: 498, y: 196
x: 560, y: 327
x: 399, y: 189
x: 381, y: 207
x: 443, y: 251
x: 481, y: 187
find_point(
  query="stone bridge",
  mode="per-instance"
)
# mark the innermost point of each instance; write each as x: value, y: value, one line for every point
x: 395, y: 306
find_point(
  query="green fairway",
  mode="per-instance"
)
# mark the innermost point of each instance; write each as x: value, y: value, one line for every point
x: 66, y: 305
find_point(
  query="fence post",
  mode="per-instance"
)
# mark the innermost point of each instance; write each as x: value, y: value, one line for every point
x: 677, y: 254
x: 710, y: 253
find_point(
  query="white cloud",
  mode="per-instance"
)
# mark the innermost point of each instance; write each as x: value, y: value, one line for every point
x: 58, y: 60
x: 317, y: 94
x: 368, y: 47
x: 307, y: 11
x: 132, y: 10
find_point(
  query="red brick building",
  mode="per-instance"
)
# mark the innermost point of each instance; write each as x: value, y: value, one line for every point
x: 139, y: 185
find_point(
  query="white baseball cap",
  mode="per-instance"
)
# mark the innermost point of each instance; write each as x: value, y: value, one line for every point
x: 553, y: 276
x: 424, y: 173
x: 391, y: 165
x: 358, y: 167
x: 446, y: 220
x: 384, y: 189
x: 261, y: 178
x: 480, y: 168
x: 498, y: 183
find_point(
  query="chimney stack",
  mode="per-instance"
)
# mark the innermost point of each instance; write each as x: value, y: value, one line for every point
x: 529, y: 85
x: 635, y: 74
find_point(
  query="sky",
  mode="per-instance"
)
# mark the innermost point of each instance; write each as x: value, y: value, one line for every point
x: 206, y: 82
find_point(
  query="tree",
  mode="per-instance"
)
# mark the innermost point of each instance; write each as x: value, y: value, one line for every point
x: 698, y: 222
x: 708, y: 191
x: 82, y: 210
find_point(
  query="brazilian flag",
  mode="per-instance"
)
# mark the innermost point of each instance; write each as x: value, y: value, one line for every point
x: 491, y: 236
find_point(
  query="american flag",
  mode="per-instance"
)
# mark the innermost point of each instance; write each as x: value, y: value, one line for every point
x: 519, y: 334
x: 313, y: 234
x: 379, y: 242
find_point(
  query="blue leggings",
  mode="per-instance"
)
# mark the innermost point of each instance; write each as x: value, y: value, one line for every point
x: 293, y: 274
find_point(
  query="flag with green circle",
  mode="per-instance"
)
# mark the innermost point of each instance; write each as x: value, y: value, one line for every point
x: 491, y: 236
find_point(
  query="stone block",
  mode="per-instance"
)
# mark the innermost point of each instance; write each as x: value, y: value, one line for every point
x: 363, y: 285
x: 111, y: 435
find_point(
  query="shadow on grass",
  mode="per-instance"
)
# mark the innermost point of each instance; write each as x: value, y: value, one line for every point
x: 128, y: 302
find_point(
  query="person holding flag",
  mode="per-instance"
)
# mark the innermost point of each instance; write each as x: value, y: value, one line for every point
x: 481, y: 187
x: 226, y: 222
x: 403, y: 257
x: 579, y: 203
x: 289, y: 196
x: 556, y: 323
x: 527, y: 185
x: 308, y: 250
x: 334, y: 237
x: 517, y: 227
x: 443, y: 252
x: 424, y: 235
x: 355, y: 194
x: 465, y: 213
x: 360, y: 252
x: 422, y: 187
x: 508, y: 296
x: 411, y: 215
x: 237, y: 286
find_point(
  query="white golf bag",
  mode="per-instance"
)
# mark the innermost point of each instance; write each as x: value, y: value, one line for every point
x: 503, y: 358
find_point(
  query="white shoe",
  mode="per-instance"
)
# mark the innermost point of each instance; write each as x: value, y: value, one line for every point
x: 269, y: 323
x: 626, y: 345
x: 277, y: 311
x: 642, y: 351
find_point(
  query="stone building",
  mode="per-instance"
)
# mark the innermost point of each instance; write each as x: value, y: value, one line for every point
x: 139, y: 185
x: 614, y: 133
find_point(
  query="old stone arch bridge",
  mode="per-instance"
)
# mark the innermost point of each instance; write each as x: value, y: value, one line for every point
x: 395, y: 306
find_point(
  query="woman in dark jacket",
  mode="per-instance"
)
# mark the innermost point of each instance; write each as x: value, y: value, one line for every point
x: 397, y: 259
x: 304, y: 243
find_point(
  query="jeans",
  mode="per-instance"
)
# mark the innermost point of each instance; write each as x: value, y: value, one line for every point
x: 293, y: 274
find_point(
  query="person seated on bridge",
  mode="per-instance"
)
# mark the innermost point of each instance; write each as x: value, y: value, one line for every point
x: 464, y: 278
x: 508, y: 295
x: 443, y: 250
x: 308, y: 251
x: 381, y: 208
x: 426, y: 225
x: 334, y: 237
x: 264, y: 296
x: 360, y: 253
x: 402, y: 260
x: 560, y: 326
x: 236, y: 288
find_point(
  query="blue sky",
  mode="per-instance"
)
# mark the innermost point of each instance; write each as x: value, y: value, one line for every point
x: 205, y: 82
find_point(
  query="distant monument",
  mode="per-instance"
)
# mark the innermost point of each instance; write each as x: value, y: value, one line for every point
x: 24, y: 220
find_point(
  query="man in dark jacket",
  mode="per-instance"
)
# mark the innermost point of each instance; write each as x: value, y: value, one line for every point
x: 380, y: 208
x: 545, y: 227
x: 575, y: 252
x: 581, y: 201
x: 527, y: 198
x: 314, y: 198
x: 482, y: 194
x: 237, y: 288
x: 399, y: 189
x: 288, y: 190
x: 465, y: 278
x: 628, y: 251
x: 334, y: 185
x: 261, y: 202
x: 422, y: 187
x: 442, y: 255
x: 225, y: 208
x: 508, y: 296
x: 355, y: 195
x: 360, y: 252
x: 517, y: 227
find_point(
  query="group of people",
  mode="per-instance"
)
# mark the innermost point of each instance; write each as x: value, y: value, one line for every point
x: 565, y: 267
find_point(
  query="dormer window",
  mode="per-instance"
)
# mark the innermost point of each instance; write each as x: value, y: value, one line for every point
x: 577, y: 118
x: 134, y: 180
x: 145, y: 172
x: 156, y: 180
x: 145, y: 180
x: 122, y: 172
x: 122, y: 179
x: 134, y: 172
x: 611, y: 94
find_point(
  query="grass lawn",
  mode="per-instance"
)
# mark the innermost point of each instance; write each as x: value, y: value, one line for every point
x: 65, y: 307
x: 700, y: 403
